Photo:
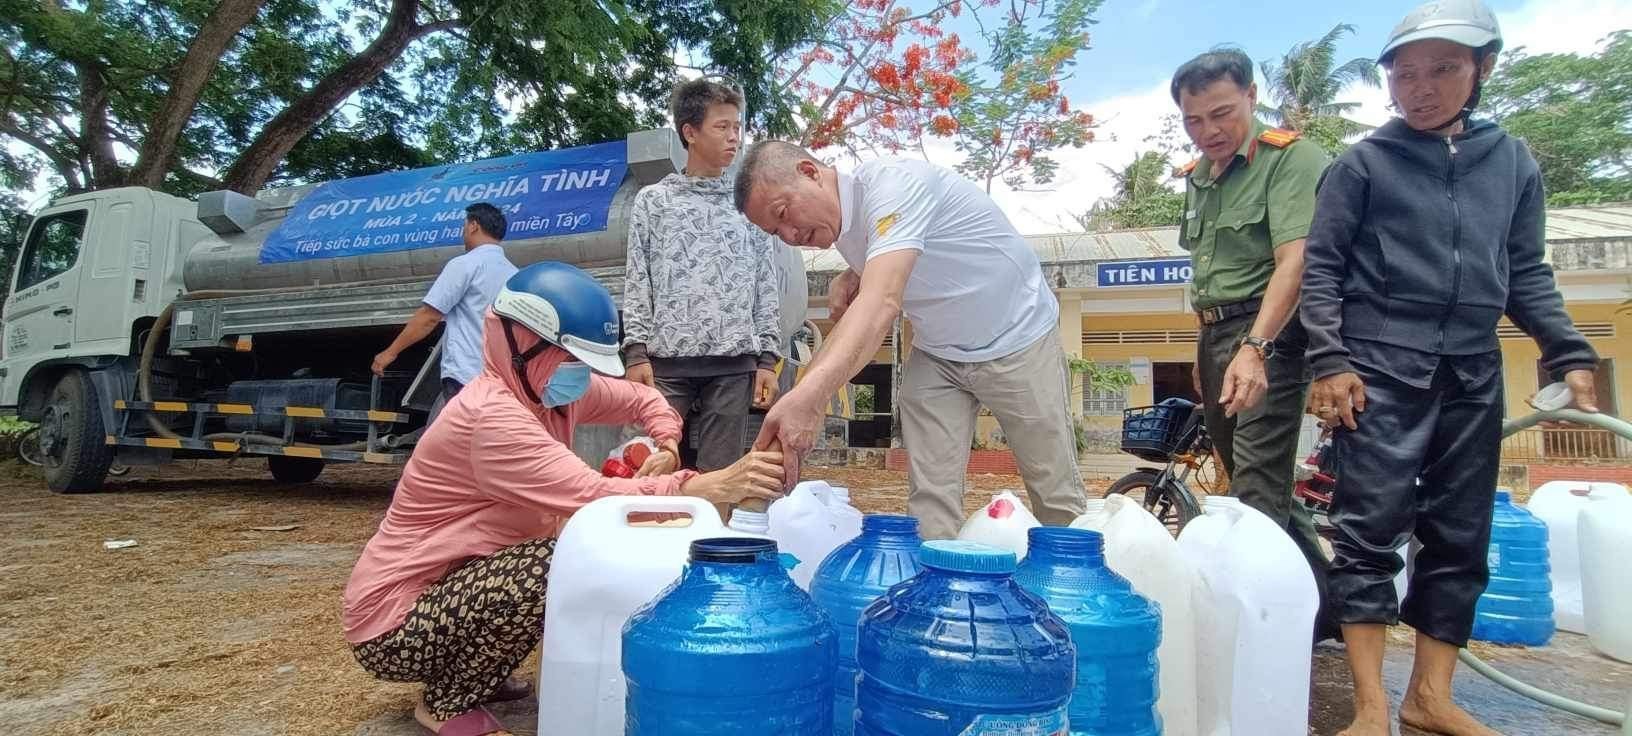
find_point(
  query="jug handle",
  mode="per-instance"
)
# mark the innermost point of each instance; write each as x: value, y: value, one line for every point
x: 618, y: 508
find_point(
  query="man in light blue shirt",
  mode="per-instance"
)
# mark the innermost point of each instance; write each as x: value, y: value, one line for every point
x: 460, y: 295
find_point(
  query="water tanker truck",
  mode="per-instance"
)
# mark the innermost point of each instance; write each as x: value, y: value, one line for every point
x: 142, y: 327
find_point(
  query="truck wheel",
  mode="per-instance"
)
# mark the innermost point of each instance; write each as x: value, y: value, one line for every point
x: 72, y: 445
x: 286, y: 469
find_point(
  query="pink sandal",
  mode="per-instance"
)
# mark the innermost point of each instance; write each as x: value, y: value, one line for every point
x: 476, y: 722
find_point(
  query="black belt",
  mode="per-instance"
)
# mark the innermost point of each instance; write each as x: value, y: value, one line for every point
x: 1212, y: 315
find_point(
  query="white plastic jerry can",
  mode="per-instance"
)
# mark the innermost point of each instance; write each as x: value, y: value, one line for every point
x: 1558, y: 504
x: 1606, y: 545
x: 1002, y: 523
x: 1138, y: 547
x: 805, y: 524
x: 605, y: 567
x: 1253, y: 645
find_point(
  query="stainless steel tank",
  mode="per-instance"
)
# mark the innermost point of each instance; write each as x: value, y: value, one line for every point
x: 230, y: 260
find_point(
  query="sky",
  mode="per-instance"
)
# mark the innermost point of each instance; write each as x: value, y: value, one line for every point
x: 1123, y: 77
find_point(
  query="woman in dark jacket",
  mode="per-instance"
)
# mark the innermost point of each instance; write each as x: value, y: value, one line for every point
x: 1426, y: 233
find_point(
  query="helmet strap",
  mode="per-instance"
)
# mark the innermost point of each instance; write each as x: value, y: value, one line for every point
x: 519, y: 359
x: 1465, y: 115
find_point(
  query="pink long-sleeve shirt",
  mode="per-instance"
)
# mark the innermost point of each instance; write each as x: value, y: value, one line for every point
x: 493, y: 471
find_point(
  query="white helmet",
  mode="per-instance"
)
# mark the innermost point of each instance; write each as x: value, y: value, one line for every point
x: 1466, y: 22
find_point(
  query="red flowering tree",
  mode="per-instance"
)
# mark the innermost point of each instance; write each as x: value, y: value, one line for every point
x: 882, y: 76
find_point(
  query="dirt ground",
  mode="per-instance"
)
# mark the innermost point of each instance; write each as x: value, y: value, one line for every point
x: 224, y: 618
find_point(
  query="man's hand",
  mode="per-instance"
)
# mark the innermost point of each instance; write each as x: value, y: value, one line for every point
x: 795, y: 423
x: 840, y: 292
x: 1245, y: 382
x: 383, y: 361
x: 765, y: 388
x: 1338, y: 398
x: 640, y: 373
x: 757, y: 475
x: 1195, y: 380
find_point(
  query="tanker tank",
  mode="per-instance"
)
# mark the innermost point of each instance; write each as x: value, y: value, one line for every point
x: 230, y: 259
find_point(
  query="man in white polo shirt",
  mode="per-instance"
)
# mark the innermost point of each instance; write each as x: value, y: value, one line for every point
x: 461, y: 295
x: 924, y: 241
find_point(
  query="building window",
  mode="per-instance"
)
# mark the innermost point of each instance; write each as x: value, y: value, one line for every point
x: 1104, y: 402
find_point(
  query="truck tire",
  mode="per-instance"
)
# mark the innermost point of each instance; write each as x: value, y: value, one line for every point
x: 286, y: 469
x: 75, y: 455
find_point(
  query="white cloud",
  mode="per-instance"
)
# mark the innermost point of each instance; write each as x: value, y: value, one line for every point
x: 1541, y: 26
x: 1563, y: 26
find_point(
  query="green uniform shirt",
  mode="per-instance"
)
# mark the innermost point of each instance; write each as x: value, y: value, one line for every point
x: 1234, y: 223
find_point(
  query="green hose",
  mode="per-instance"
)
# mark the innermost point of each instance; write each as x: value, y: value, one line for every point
x: 1553, y: 700
x: 1539, y: 695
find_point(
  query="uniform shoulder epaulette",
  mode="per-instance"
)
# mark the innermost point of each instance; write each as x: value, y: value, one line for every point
x: 1278, y: 137
x: 1184, y: 171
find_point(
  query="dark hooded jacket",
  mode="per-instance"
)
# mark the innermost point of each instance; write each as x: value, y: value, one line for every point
x: 1423, y: 242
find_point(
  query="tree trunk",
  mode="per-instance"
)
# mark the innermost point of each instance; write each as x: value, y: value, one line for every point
x: 96, y: 136
x: 257, y: 163
x: 158, y: 152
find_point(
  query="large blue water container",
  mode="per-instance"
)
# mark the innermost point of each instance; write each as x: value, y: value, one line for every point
x: 849, y: 580
x: 962, y: 650
x: 733, y: 648
x: 1116, y: 631
x: 1517, y: 606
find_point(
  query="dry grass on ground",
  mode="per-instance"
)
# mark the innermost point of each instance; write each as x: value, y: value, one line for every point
x: 208, y: 626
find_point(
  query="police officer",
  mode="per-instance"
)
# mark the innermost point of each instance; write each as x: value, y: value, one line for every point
x: 1248, y: 203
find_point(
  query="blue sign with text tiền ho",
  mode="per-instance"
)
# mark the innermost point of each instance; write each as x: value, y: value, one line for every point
x: 541, y: 194
x: 1160, y: 272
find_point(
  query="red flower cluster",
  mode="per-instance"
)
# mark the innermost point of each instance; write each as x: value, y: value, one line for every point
x: 949, y: 52
x: 943, y: 125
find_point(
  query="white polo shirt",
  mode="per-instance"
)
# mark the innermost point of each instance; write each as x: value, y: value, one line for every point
x: 977, y: 292
x: 463, y: 291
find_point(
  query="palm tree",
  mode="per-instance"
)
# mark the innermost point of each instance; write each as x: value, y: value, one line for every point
x: 1307, y: 82
x: 1141, y: 198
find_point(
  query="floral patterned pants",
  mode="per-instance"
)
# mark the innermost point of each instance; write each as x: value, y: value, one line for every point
x: 469, y: 631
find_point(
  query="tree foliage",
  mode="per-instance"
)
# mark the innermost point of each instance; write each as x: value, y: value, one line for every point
x: 1142, y: 199
x: 1305, y: 85
x: 881, y: 77
x: 1575, y: 112
x: 187, y: 95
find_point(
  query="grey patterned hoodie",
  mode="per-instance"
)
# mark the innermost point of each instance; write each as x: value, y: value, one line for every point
x: 700, y: 284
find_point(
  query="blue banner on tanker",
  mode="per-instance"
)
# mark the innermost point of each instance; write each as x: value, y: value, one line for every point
x: 541, y: 195
x: 1156, y: 272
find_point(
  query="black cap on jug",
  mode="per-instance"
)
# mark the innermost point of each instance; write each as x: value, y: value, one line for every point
x: 741, y: 550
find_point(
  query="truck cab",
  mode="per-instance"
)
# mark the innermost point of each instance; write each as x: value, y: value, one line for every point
x: 93, y: 269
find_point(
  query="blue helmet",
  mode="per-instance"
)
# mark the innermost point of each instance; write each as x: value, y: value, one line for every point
x: 568, y: 308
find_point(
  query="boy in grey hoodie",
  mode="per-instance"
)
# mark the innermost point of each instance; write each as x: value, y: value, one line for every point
x: 701, y: 285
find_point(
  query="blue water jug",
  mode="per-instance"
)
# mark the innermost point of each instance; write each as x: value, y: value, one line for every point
x: 849, y: 580
x: 1517, y: 606
x: 962, y: 650
x: 1115, y: 630
x: 733, y: 648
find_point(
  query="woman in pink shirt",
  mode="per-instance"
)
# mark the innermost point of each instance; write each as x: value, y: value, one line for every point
x: 450, y: 590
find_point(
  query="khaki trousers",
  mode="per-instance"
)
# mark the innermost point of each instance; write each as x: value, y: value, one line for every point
x: 1028, y: 393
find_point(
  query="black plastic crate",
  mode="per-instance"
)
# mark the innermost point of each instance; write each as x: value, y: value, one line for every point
x: 1155, y: 433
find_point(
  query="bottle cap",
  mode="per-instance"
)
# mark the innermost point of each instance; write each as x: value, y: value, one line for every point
x: 739, y: 550
x: 957, y: 555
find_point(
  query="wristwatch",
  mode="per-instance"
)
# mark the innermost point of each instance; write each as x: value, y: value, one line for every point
x: 1264, y: 346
